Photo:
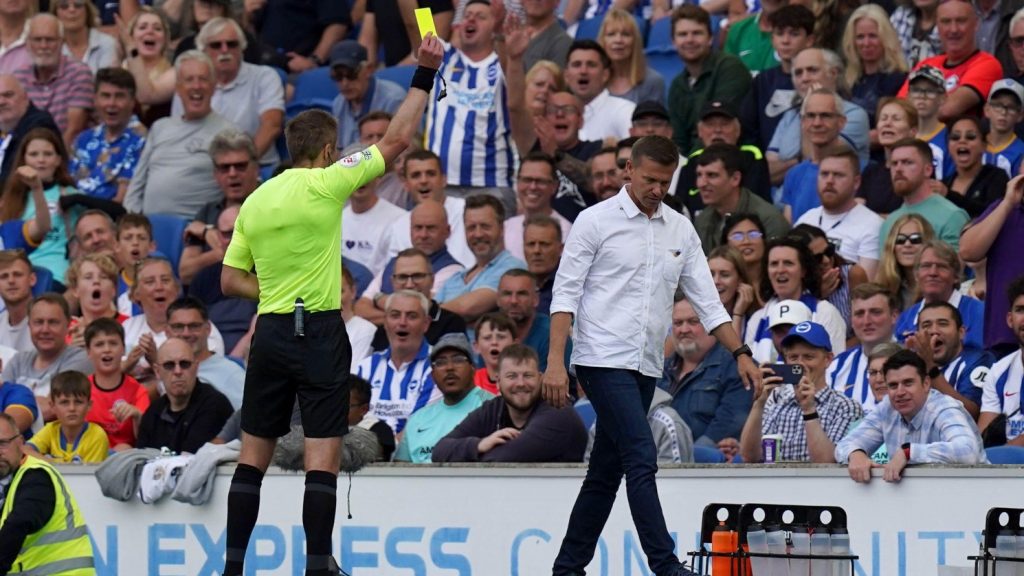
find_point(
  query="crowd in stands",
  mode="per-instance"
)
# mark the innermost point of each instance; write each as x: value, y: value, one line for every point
x: 853, y: 173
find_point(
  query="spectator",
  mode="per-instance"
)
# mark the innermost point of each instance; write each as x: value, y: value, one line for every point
x: 390, y: 186
x: 236, y: 172
x: 95, y: 233
x: 104, y: 157
x: 517, y: 426
x: 781, y: 317
x: 366, y: 220
x: 359, y: 415
x: 969, y: 72
x: 48, y: 318
x: 587, y: 71
x: 954, y: 369
x: 118, y: 400
x: 518, y: 299
x: 719, y: 182
x: 605, y: 175
x: 391, y: 30
x: 14, y: 43
x: 18, y: 117
x: 543, y: 243
x: 937, y: 268
x: 997, y: 236
x: 753, y: 38
x: 838, y: 277
x: 411, y: 271
x: 897, y: 120
x: 851, y: 227
x: 973, y: 184
x: 1003, y: 385
x: 452, y: 368
x: 470, y: 293
x: 93, y: 280
x: 745, y: 232
x: 494, y: 332
x: 174, y: 174
x: 145, y: 47
x: 815, y: 70
x: 303, y: 33
x: 927, y: 92
x: 1010, y: 42
x: 1003, y: 111
x: 912, y: 169
x: 18, y: 402
x: 708, y: 76
x: 810, y: 416
x: 58, y: 84
x: 631, y: 77
x: 904, y: 242
x: 360, y: 330
x: 134, y: 243
x: 201, y: 12
x: 400, y: 376
x: 535, y: 186
x: 734, y: 287
x: 943, y: 431
x: 16, y: 281
x: 548, y: 40
x: 873, y: 320
x: 791, y: 273
x: 706, y: 388
x: 70, y: 438
x: 189, y: 321
x: 791, y: 30
x: 719, y: 124
x: 359, y: 92
x: 471, y: 134
x: 916, y: 28
x: 190, y: 413
x: 876, y: 67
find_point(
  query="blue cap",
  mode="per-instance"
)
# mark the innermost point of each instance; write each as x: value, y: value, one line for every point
x: 812, y: 333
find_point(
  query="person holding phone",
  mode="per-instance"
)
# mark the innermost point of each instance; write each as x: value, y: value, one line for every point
x: 810, y: 416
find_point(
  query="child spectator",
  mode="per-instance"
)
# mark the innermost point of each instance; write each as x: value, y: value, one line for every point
x: 928, y: 93
x: 70, y: 438
x: 494, y: 331
x: 134, y: 242
x: 1003, y: 111
x: 118, y: 399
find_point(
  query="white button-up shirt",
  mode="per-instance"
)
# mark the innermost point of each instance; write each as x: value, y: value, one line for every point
x: 618, y: 275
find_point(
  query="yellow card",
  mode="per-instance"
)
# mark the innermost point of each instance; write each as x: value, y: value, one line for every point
x: 425, y: 21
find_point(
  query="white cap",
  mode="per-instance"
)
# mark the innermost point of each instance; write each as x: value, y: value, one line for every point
x: 1007, y: 85
x: 788, y: 312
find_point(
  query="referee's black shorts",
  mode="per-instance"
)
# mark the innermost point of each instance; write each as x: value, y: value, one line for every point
x: 313, y: 368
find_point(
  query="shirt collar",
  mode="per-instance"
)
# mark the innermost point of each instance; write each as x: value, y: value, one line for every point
x: 630, y: 207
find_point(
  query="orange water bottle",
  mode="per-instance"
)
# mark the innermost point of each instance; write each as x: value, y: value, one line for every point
x: 723, y: 541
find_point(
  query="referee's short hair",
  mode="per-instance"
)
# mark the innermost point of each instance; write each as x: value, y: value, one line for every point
x: 308, y: 133
x: 408, y: 294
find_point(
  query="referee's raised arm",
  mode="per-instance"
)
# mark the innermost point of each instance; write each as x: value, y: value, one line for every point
x: 407, y: 119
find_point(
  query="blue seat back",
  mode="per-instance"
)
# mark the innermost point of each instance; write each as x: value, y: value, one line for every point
x: 314, y: 89
x: 44, y: 281
x: 168, y: 234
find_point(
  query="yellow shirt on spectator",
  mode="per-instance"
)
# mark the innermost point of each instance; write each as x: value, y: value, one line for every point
x: 91, y: 446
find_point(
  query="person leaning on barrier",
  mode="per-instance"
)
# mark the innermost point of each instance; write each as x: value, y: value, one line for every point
x: 42, y: 531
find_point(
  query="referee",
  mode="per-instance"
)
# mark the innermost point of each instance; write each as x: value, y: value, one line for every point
x: 289, y: 231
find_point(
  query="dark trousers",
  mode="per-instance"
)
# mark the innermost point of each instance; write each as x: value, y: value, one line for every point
x: 623, y: 446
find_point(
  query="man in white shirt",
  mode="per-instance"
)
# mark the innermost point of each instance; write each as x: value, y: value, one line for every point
x: 365, y: 222
x: 535, y: 186
x: 850, y: 226
x: 587, y: 71
x: 623, y: 261
x: 16, y: 282
x: 1003, y: 386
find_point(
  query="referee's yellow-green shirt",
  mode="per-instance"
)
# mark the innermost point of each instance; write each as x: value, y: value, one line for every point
x: 290, y: 230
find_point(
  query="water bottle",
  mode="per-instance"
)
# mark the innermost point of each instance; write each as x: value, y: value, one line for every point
x: 840, y: 547
x: 1006, y: 547
x: 757, y: 543
x: 777, y: 545
x: 723, y: 540
x: 802, y: 547
x: 821, y: 545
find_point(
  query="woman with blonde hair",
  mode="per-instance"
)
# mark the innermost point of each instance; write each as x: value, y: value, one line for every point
x: 631, y: 78
x: 729, y: 271
x: 875, y: 66
x: 906, y: 238
x: 83, y: 41
x: 146, y: 40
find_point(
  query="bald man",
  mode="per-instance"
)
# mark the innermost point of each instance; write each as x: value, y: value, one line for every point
x: 17, y: 117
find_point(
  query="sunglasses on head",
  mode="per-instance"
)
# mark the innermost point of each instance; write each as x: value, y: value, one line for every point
x: 914, y: 239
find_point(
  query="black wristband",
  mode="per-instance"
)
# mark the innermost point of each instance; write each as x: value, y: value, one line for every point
x: 935, y: 372
x: 811, y: 416
x: 423, y: 79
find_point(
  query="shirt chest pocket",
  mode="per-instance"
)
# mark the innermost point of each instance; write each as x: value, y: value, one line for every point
x: 672, y: 265
x: 704, y: 400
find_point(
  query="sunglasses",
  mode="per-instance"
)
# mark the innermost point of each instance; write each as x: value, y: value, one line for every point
x: 914, y: 239
x: 225, y: 167
x: 222, y: 44
x: 170, y: 365
x: 340, y: 73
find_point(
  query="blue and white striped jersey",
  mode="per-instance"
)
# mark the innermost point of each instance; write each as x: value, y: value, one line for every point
x: 397, y: 392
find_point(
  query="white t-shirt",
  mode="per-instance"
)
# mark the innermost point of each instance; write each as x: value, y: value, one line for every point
x: 136, y: 326
x: 1006, y: 401
x: 855, y: 233
x: 360, y: 336
x: 364, y: 236
x: 401, y: 237
x: 16, y: 337
x: 607, y: 116
x: 516, y: 225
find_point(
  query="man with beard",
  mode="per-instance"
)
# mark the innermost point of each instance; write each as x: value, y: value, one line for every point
x: 543, y: 244
x: 850, y: 226
x: 451, y: 363
x: 954, y: 370
x: 873, y: 317
x: 38, y: 509
x: 911, y: 167
x: 605, y: 174
x: 519, y: 425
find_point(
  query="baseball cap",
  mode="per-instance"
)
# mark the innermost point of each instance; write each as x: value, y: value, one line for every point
x: 717, y: 108
x: 347, y: 53
x: 649, y: 108
x: 790, y: 312
x: 452, y: 341
x: 810, y: 332
x: 1007, y: 85
x: 931, y: 74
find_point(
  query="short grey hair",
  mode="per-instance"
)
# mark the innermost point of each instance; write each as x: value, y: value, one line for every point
x: 839, y: 102
x: 197, y: 55
x: 232, y: 140
x: 216, y: 26
x: 47, y: 16
x: 836, y: 67
x: 1017, y: 17
x: 408, y: 294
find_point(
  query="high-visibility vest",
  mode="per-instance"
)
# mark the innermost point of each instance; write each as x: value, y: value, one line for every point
x: 62, y: 547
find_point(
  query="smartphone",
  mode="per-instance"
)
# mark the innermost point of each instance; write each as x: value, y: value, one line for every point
x: 790, y: 373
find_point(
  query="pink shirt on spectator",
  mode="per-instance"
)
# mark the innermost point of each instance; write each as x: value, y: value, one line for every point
x: 15, y: 56
x: 70, y: 87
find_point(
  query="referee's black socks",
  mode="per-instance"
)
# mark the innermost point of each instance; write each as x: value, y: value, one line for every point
x: 243, y: 509
x: 318, y: 508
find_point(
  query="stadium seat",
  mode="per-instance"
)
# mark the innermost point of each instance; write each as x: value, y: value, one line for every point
x: 168, y: 234
x: 588, y: 29
x: 44, y: 281
x: 314, y: 89
x: 660, y: 36
x: 586, y: 412
x: 706, y: 455
x: 1005, y: 455
x: 667, y: 63
x: 643, y: 26
x: 400, y: 75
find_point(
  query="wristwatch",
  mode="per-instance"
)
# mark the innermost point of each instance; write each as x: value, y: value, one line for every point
x: 741, y: 351
x: 316, y: 60
x: 935, y: 372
